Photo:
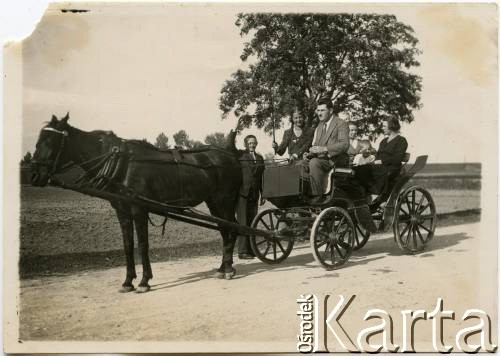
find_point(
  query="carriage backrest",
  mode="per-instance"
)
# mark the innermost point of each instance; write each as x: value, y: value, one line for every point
x: 419, y: 164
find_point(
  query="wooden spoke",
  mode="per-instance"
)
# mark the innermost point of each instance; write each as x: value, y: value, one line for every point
x: 271, y: 221
x: 261, y: 242
x: 420, y: 235
x: 404, y: 211
x: 414, y: 236
x: 321, y: 243
x: 267, y: 249
x: 274, y: 250
x: 423, y: 227
x: 405, y: 228
x: 413, y: 201
x: 420, y: 202
x: 356, y: 237
x: 264, y: 223
x: 408, y: 204
x: 339, y: 224
x: 423, y: 209
x: 280, y: 246
x: 339, y: 252
x: 407, y: 239
x: 328, y: 246
x: 427, y: 217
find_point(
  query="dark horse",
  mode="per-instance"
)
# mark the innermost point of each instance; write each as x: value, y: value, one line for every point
x: 185, y: 178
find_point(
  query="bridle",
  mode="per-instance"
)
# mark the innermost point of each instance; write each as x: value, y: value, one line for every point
x: 52, y: 164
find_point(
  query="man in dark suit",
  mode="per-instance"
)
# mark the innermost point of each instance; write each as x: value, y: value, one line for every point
x: 252, y: 165
x: 330, y: 145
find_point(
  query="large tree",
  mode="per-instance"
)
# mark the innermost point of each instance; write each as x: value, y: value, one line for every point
x: 361, y: 61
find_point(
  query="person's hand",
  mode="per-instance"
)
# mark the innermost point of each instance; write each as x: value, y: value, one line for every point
x: 318, y: 149
x: 377, y: 162
x: 275, y: 145
x: 305, y: 156
x: 262, y: 201
x: 365, y: 154
x: 293, y: 157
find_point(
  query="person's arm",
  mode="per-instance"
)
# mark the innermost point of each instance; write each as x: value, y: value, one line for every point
x: 306, y: 142
x: 398, y: 153
x: 284, y: 143
x: 341, y: 144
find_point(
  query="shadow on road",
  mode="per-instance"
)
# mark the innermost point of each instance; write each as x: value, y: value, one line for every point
x: 373, y: 250
x: 66, y: 264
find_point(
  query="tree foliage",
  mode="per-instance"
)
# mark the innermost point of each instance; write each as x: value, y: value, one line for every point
x: 162, y: 141
x: 181, y: 139
x: 361, y: 61
x: 216, y: 139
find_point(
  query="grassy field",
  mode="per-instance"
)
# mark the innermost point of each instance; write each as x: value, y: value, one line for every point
x: 68, y: 229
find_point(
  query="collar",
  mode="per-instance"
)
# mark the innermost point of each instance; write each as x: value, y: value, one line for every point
x: 327, y: 122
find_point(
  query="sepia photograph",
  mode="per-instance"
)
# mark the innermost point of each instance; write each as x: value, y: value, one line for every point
x: 268, y: 177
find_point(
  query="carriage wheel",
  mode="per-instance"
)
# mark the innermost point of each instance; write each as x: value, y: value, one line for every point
x: 415, y: 219
x: 332, y: 237
x: 271, y: 250
x: 361, y: 237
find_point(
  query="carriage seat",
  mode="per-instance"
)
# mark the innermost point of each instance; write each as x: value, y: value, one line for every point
x: 344, y: 172
x: 340, y: 172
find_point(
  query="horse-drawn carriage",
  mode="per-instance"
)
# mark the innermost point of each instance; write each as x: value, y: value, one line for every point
x: 347, y: 216
x: 138, y: 179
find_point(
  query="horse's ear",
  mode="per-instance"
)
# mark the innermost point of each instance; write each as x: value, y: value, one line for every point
x: 65, y: 119
x: 53, y: 120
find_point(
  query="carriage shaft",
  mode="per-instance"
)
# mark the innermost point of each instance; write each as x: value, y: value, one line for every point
x: 176, y: 213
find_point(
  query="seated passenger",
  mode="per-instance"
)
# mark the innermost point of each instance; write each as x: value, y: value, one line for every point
x: 388, y: 160
x: 296, y: 139
x: 330, y: 145
x: 360, y: 151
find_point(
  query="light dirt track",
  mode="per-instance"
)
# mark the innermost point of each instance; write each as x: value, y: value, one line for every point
x: 259, y: 305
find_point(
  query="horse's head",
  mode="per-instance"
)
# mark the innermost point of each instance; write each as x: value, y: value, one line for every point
x: 50, y: 154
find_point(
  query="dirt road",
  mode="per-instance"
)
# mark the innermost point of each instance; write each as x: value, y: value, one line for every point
x: 256, y: 311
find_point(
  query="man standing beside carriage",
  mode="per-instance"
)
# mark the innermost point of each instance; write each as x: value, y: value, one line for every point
x: 252, y: 165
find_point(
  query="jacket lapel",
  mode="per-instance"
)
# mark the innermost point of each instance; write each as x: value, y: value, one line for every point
x: 332, y: 127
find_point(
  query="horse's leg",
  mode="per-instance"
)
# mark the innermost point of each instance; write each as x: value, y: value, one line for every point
x: 226, y: 269
x: 141, y: 229
x: 127, y: 226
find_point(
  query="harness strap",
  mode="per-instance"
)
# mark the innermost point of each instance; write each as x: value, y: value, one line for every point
x: 163, y: 224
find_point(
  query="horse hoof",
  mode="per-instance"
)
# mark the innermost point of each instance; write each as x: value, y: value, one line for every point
x: 126, y: 289
x: 229, y: 275
x: 219, y: 275
x: 143, y: 289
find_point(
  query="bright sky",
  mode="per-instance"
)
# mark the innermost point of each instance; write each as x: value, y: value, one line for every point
x: 140, y: 69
